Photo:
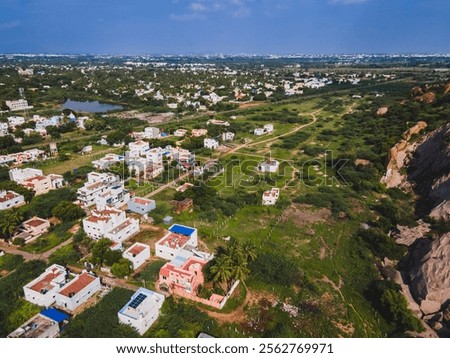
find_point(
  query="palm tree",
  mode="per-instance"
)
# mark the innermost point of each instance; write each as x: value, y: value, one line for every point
x: 240, y: 270
x: 249, y: 250
x: 7, y: 227
x: 222, y: 270
x: 15, y: 216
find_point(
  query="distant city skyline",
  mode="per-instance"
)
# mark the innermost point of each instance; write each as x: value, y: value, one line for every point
x: 224, y: 26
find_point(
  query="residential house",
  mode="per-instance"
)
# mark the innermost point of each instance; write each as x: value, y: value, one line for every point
x: 107, y: 161
x: 268, y: 128
x: 20, y: 175
x: 43, y: 184
x: 259, y: 131
x: 4, y: 129
x: 269, y: 166
x: 180, y: 132
x: 182, y: 275
x: 19, y: 105
x: 218, y: 122
x: 33, y: 228
x: 138, y: 254
x: 151, y: 133
x: 78, y: 291
x: 42, y: 290
x: 38, y: 326
x: 199, y: 132
x: 182, y: 205
x: 270, y: 197
x: 142, y: 310
x: 179, y: 240
x: 182, y: 188
x: 15, y: 121
x: 97, y: 183
x: 110, y: 223
x: 210, y: 143
x: 137, y: 149
x: 115, y: 196
x: 10, y: 199
x: 227, y: 136
x: 141, y: 205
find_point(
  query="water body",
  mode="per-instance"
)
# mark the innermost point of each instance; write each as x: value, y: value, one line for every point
x: 91, y: 107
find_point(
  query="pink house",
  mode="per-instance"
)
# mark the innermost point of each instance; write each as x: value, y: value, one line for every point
x: 184, y: 278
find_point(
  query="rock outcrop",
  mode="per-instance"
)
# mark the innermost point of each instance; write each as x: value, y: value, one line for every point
x: 399, y: 157
x: 382, y: 111
x: 407, y: 236
x: 430, y: 271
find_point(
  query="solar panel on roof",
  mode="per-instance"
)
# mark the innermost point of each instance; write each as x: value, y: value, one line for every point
x: 137, y: 300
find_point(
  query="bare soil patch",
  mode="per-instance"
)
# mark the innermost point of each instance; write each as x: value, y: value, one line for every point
x: 303, y: 214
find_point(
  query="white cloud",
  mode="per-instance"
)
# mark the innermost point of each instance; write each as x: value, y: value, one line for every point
x: 187, y: 17
x: 196, y: 6
x: 200, y: 8
x: 9, y: 25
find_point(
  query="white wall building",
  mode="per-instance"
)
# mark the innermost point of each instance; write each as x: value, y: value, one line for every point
x: 14, y: 121
x: 176, y: 241
x: 180, y: 132
x: 115, y: 196
x: 269, y: 166
x: 141, y: 205
x: 270, y: 197
x: 228, y: 136
x: 97, y: 183
x: 142, y: 310
x: 111, y: 224
x: 4, y: 129
x: 19, y: 105
x: 78, y: 291
x: 210, y: 143
x: 42, y: 290
x: 20, y: 175
x: 10, y: 199
x: 107, y: 161
x: 259, y: 131
x: 268, y: 128
x: 138, y: 149
x: 151, y: 133
x: 138, y: 254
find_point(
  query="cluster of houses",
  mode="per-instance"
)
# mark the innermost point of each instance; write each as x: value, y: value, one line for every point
x: 35, y: 180
x: 30, y: 155
x: 267, y: 129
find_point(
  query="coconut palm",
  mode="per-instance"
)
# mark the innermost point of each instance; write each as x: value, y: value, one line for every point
x: 249, y: 250
x: 222, y: 270
x: 7, y: 227
x: 240, y: 270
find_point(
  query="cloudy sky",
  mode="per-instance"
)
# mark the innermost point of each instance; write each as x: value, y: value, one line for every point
x: 224, y: 26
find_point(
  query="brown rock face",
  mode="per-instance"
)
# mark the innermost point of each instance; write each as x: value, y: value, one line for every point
x: 447, y: 88
x: 382, y: 111
x: 416, y: 91
x: 430, y: 273
x: 427, y: 98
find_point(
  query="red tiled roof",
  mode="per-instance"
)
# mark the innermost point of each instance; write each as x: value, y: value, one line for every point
x: 78, y: 284
x: 142, y: 201
x: 136, y: 249
x: 35, y: 222
x: 8, y: 196
x: 45, y: 283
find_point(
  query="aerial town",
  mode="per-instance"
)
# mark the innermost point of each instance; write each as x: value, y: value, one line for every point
x: 197, y: 196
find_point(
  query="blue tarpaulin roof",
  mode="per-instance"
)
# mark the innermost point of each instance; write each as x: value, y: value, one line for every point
x: 183, y: 230
x: 55, y: 315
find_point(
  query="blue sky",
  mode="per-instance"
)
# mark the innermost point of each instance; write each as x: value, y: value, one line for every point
x: 224, y: 26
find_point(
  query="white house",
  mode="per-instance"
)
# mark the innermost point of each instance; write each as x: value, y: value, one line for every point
x: 111, y: 224
x: 141, y: 205
x: 199, y: 132
x: 259, y: 131
x: 210, y: 143
x: 3, y: 129
x: 107, y: 161
x: 268, y: 128
x: 77, y: 291
x: 178, y: 240
x: 97, y: 183
x: 10, y: 199
x: 142, y: 310
x: 42, y: 290
x: 138, y: 149
x: 20, y: 175
x: 19, y: 105
x: 269, y: 166
x: 228, y: 136
x: 270, y: 197
x: 218, y: 122
x: 32, y: 228
x: 180, y: 132
x: 115, y: 196
x: 15, y: 121
x: 138, y: 254
x: 151, y: 133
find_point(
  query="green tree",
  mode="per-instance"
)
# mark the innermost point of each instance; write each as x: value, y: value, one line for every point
x: 122, y: 268
x: 67, y: 211
x: 222, y: 270
x: 100, y: 250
